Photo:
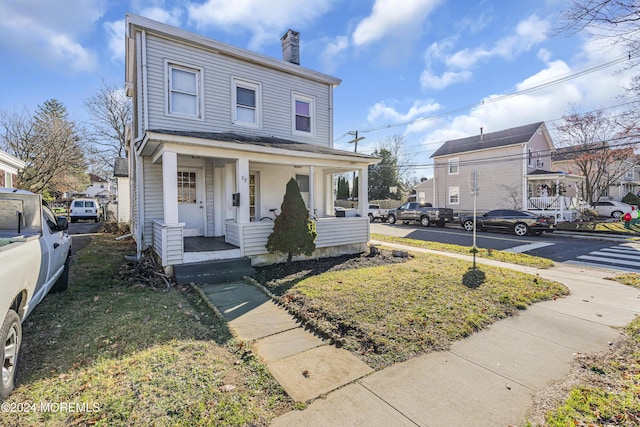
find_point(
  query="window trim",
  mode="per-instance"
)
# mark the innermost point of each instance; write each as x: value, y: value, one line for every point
x: 449, y: 194
x: 453, y: 162
x: 199, y: 73
x: 257, y: 88
x: 295, y: 96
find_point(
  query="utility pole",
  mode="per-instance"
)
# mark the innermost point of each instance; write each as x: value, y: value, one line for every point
x: 354, y: 141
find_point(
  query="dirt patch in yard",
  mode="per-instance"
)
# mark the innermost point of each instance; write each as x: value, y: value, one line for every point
x: 279, y: 278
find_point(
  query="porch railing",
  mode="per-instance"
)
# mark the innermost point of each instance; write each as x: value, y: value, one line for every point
x: 252, y: 237
x: 168, y: 242
x: 563, y: 208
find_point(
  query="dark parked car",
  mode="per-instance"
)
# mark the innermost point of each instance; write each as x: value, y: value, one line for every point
x: 519, y: 222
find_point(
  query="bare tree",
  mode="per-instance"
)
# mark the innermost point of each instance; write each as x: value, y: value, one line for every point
x: 51, y: 145
x: 512, y: 198
x: 597, y: 147
x: 111, y: 111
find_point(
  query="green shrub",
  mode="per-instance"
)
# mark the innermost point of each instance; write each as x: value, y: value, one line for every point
x: 631, y: 199
x: 293, y: 232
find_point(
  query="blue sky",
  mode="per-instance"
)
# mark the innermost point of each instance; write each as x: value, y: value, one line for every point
x: 429, y: 70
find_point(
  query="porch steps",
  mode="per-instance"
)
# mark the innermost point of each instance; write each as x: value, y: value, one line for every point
x: 215, y: 271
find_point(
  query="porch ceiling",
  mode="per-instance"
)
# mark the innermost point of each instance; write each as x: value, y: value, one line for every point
x: 229, y: 142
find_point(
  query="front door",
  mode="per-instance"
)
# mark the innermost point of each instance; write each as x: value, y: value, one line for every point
x: 191, y: 203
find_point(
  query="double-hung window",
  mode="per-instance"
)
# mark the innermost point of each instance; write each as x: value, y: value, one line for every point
x: 246, y: 103
x: 184, y: 91
x: 454, y: 166
x: 454, y: 195
x: 303, y: 115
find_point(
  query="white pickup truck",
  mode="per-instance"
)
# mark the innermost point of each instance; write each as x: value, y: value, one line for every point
x: 35, y: 252
x: 376, y: 212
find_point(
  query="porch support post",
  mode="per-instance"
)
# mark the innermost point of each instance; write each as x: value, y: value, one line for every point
x: 312, y: 188
x: 242, y: 187
x: 363, y: 191
x: 170, y: 187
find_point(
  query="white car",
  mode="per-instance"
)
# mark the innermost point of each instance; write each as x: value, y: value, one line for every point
x: 611, y: 208
x: 84, y: 209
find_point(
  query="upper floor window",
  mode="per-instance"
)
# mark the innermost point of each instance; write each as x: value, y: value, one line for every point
x: 454, y: 166
x: 303, y: 115
x: 184, y: 94
x: 530, y: 157
x: 246, y: 103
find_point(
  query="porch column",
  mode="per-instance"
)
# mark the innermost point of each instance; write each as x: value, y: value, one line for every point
x: 242, y: 187
x: 312, y: 187
x: 363, y: 191
x: 170, y: 187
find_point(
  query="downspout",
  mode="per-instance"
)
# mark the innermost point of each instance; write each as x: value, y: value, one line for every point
x: 145, y: 99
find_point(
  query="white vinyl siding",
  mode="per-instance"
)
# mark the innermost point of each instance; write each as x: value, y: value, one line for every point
x: 153, y: 198
x: 184, y: 90
x: 276, y: 87
x: 246, y: 103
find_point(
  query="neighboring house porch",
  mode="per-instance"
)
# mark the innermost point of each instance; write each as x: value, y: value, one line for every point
x: 216, y: 188
x: 554, y: 194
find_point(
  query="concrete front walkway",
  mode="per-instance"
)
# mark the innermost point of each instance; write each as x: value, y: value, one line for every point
x: 304, y: 365
x: 488, y: 379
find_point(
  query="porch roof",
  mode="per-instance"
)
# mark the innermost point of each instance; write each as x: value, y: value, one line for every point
x: 155, y: 137
x: 541, y: 175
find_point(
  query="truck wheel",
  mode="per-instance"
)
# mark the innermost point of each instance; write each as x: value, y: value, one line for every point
x: 371, y: 218
x: 425, y: 221
x: 63, y: 281
x: 11, y: 334
x: 440, y: 224
x: 392, y: 219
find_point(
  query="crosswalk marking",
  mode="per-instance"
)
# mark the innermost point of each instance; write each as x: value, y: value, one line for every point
x: 529, y: 247
x: 624, y: 256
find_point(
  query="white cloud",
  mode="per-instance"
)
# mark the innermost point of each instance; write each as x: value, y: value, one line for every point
x: 333, y: 51
x: 50, y: 33
x: 527, y: 34
x: 116, y: 34
x: 428, y: 80
x: 390, y: 17
x: 267, y: 20
x: 380, y: 112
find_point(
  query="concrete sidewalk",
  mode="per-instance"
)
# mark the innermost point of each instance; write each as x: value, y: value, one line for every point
x: 488, y: 379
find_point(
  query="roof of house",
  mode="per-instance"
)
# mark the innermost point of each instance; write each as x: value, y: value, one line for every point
x: 263, y: 141
x: 226, y: 49
x: 120, y: 168
x: 517, y: 135
x: 95, y: 178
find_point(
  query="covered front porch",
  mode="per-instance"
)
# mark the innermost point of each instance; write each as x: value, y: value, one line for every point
x: 227, y: 190
x: 553, y: 194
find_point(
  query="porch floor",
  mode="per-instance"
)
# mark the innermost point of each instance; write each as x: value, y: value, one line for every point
x: 206, y: 244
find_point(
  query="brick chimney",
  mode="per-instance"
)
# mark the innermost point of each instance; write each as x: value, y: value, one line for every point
x: 291, y: 47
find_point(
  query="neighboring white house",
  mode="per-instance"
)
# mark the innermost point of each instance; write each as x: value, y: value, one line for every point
x: 217, y: 132
x: 9, y: 168
x: 513, y: 171
x: 99, y: 189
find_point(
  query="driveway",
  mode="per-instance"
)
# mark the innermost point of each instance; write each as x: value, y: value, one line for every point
x: 81, y: 233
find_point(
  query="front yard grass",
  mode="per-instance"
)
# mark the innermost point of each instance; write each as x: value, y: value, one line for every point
x: 130, y: 355
x: 390, y: 313
x: 629, y: 279
x: 513, y: 258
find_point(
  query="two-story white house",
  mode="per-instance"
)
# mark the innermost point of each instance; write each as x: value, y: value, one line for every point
x: 512, y: 170
x: 217, y: 133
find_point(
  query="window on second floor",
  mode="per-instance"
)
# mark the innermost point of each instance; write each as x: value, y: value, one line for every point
x: 303, y: 115
x: 246, y: 103
x: 454, y: 166
x: 184, y: 92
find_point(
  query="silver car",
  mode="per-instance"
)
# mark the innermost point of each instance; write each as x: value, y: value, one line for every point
x: 611, y: 208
